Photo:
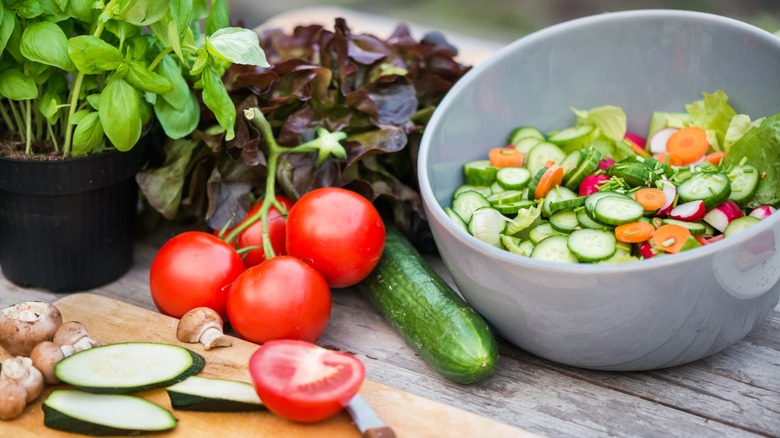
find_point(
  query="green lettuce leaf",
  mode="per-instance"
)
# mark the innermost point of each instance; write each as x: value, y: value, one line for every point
x: 760, y: 147
x: 610, y: 120
x: 714, y: 114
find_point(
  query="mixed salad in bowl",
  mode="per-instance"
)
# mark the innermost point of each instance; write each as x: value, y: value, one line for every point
x: 594, y: 192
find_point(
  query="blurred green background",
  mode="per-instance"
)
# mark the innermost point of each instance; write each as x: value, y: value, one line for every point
x: 506, y: 20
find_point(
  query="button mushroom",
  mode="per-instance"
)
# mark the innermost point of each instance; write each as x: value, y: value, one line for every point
x: 13, y: 399
x: 72, y: 337
x: 204, y: 325
x: 21, y: 370
x: 25, y: 325
x: 45, y: 357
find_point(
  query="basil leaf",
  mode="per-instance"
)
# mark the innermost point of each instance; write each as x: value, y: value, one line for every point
x: 175, y: 40
x: 178, y: 123
x: 179, y: 94
x: 29, y: 9
x: 16, y: 86
x: 45, y: 42
x: 140, y: 77
x: 120, y: 114
x: 181, y: 11
x: 217, y: 100
x: 88, y: 134
x: 219, y: 16
x: 141, y: 12
x: 91, y: 55
x: 237, y: 45
x: 6, y: 28
x: 81, y: 10
x: 122, y: 29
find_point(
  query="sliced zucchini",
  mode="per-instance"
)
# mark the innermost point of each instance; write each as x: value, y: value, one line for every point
x: 214, y: 395
x: 123, y: 368
x: 80, y: 412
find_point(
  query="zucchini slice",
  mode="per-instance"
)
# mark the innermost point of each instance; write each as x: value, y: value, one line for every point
x: 128, y: 367
x: 104, y: 414
x: 214, y: 395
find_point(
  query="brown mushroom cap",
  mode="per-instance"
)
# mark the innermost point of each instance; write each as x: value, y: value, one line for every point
x: 193, y: 323
x: 21, y: 370
x: 69, y: 333
x: 13, y: 399
x: 45, y: 357
x: 25, y: 325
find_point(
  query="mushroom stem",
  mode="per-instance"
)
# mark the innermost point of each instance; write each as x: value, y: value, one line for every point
x: 213, y: 337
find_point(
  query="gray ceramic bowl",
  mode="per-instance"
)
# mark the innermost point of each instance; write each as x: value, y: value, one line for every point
x: 636, y: 316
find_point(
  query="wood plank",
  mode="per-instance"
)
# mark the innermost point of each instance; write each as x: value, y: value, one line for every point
x: 111, y: 321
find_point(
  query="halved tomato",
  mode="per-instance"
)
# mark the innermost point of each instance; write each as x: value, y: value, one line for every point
x: 304, y: 382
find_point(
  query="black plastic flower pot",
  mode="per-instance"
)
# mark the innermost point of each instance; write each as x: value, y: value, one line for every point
x: 69, y: 225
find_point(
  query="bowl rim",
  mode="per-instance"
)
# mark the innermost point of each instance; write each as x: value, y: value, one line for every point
x: 505, y: 256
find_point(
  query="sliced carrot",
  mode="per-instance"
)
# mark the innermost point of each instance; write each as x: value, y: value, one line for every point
x: 639, y: 150
x: 651, y: 198
x: 667, y: 158
x: 505, y: 157
x: 634, y: 232
x: 715, y: 158
x: 689, y: 143
x: 551, y: 178
x: 670, y: 237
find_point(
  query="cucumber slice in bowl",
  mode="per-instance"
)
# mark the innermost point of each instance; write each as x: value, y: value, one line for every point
x: 104, y: 414
x: 128, y: 367
x: 214, y: 395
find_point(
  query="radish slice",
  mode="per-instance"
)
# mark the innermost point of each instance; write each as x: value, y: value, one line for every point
x: 720, y: 216
x: 606, y: 163
x: 763, y: 211
x: 659, y: 139
x: 635, y: 138
x: 670, y: 190
x: 590, y: 184
x: 646, y: 250
x: 689, y: 211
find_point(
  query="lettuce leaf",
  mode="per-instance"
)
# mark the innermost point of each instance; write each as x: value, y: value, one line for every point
x: 714, y: 114
x: 760, y: 147
x: 610, y: 120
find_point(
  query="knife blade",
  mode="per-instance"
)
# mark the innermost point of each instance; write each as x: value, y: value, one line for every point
x: 366, y: 420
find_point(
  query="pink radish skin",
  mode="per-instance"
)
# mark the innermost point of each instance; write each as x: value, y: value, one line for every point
x: 659, y: 139
x: 590, y: 184
x: 763, y: 211
x: 635, y: 138
x: 720, y: 216
x: 646, y: 250
x: 670, y: 191
x: 606, y: 163
x: 690, y: 211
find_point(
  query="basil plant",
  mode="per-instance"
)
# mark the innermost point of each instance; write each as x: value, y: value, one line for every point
x: 88, y: 75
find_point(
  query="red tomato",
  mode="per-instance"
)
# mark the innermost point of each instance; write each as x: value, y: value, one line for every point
x: 338, y: 232
x: 303, y: 382
x: 193, y: 269
x: 281, y: 298
x: 253, y: 236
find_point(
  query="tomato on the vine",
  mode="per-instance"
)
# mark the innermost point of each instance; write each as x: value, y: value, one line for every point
x: 281, y: 298
x: 338, y: 232
x: 253, y: 236
x: 303, y: 382
x: 193, y: 269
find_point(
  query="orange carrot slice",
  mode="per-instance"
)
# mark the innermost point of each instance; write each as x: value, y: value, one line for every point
x: 670, y: 237
x: 715, y: 158
x: 667, y: 158
x: 689, y: 143
x: 634, y: 232
x: 505, y: 157
x: 651, y: 198
x: 551, y: 177
x: 639, y: 150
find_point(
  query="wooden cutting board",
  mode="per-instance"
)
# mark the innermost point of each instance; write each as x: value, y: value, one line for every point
x: 110, y: 321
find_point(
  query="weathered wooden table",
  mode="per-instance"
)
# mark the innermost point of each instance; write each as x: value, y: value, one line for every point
x: 733, y: 393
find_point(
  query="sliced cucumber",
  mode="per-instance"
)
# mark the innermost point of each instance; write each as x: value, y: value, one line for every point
x: 740, y: 224
x: 511, y: 208
x: 744, y: 183
x: 587, y: 222
x: 592, y: 245
x: 513, y: 178
x: 693, y: 227
x: 479, y: 173
x: 455, y: 217
x: 564, y: 221
x: 541, y: 232
x: 516, y: 245
x: 573, y: 137
x: 554, y: 248
x: 214, y: 395
x: 128, y: 367
x: 556, y: 195
x: 488, y: 224
x: 614, y: 210
x: 506, y: 197
x: 540, y: 154
x: 587, y: 166
x: 711, y: 188
x: 482, y: 190
x: 526, y: 144
x: 104, y: 414
x: 524, y: 132
x: 466, y: 202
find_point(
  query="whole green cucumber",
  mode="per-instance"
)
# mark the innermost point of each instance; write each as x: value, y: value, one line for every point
x: 431, y: 317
